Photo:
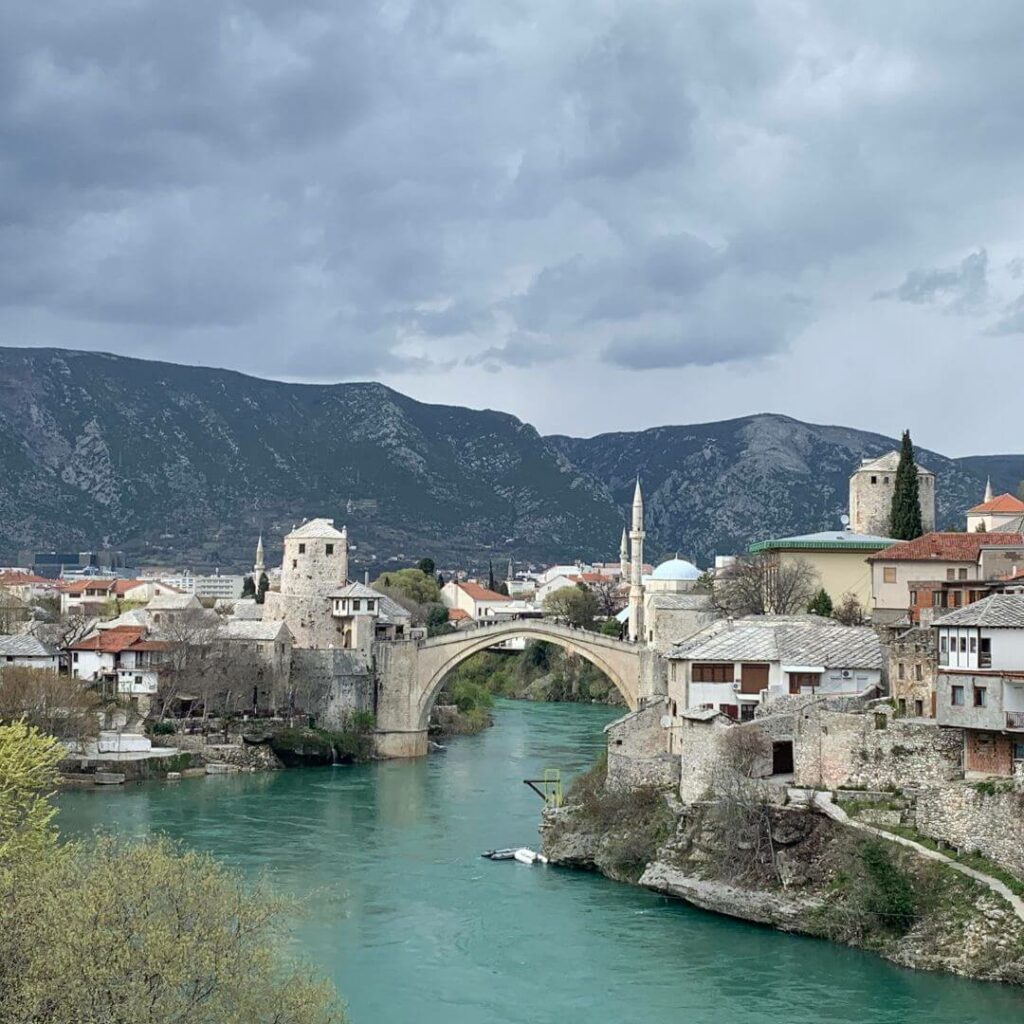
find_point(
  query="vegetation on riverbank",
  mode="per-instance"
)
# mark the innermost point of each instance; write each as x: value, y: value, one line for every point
x: 743, y: 855
x: 542, y: 672
x: 104, y: 930
x: 303, y: 746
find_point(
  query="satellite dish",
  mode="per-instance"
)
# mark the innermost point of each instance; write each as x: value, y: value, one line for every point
x: 845, y: 520
x: 666, y: 721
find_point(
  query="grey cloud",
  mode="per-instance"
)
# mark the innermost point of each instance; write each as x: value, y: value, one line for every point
x: 959, y: 289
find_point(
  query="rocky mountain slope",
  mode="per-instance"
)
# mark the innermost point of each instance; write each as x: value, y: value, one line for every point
x: 183, y: 465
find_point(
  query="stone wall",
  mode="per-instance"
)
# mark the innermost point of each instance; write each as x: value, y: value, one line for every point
x: 991, y: 824
x: 637, y: 750
x: 876, y: 749
x: 333, y: 682
x: 912, y: 668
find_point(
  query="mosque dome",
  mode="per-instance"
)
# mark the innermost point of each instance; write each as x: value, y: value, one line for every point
x: 676, y: 569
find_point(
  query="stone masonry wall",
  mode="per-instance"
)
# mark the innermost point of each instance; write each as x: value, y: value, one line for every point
x: 334, y: 682
x: 973, y: 821
x: 875, y: 749
x: 637, y: 750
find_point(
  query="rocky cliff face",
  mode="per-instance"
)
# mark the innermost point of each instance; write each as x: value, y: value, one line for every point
x: 182, y: 465
x: 824, y: 880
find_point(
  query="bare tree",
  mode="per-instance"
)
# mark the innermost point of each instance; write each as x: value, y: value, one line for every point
x: 763, y: 585
x: 744, y: 806
x: 849, y: 611
x: 12, y: 610
x: 607, y: 594
x: 56, y: 704
x: 189, y: 660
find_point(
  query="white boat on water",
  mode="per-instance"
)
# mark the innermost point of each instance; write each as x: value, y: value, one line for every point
x: 527, y: 856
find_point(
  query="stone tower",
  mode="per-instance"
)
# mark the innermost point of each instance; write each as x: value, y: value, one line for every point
x: 872, y: 485
x: 624, y: 557
x: 636, y: 578
x: 315, y: 564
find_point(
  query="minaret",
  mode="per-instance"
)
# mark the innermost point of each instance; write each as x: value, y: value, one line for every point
x: 636, y: 582
x: 988, y: 490
x: 511, y: 574
x: 343, y: 568
x: 624, y: 557
x: 259, y: 568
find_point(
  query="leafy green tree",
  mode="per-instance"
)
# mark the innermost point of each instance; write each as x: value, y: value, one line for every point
x: 261, y: 590
x: 426, y: 566
x: 103, y: 930
x: 414, y: 584
x: 437, y: 621
x: 905, y: 517
x: 248, y: 587
x: 821, y: 604
x: 577, y: 606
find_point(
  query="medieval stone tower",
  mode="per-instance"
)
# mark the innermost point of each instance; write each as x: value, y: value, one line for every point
x: 872, y: 485
x: 315, y: 564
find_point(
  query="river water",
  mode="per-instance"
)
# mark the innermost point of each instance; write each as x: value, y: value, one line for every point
x: 415, y: 928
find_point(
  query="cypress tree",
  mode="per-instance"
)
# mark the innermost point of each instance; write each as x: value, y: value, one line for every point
x: 821, y: 604
x: 905, y: 517
x: 261, y: 590
x: 490, y: 575
x: 248, y: 587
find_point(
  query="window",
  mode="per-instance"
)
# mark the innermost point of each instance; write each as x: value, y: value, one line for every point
x: 951, y: 574
x: 797, y: 680
x: 956, y: 696
x: 1018, y: 750
x: 954, y: 598
x: 874, y: 479
x: 913, y: 598
x: 985, y: 657
x: 937, y: 597
x: 961, y: 574
x: 295, y: 563
x: 902, y: 705
x: 885, y: 480
x: 980, y: 696
x: 942, y: 644
x: 302, y: 549
x: 74, y: 656
x: 889, y: 574
x: 918, y: 673
x: 707, y: 672
x: 919, y: 709
x: 357, y: 605
x: 901, y: 671
x: 974, y: 645
x: 963, y: 645
x: 330, y: 549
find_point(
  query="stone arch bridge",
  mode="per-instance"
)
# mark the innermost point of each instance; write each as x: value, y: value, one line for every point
x: 411, y: 674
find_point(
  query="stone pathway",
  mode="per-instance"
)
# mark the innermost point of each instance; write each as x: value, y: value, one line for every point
x: 824, y: 803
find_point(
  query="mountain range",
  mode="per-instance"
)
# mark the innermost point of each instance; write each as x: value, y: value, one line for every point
x: 184, y: 466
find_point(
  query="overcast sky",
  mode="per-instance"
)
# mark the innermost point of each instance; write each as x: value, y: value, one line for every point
x: 598, y: 214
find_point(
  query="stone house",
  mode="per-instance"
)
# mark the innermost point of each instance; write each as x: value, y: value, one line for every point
x: 912, y: 668
x: 125, y: 659
x: 732, y: 665
x: 980, y: 682
x: 22, y: 650
x: 638, y: 749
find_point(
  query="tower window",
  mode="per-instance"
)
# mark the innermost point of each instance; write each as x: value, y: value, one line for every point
x: 302, y: 549
x: 330, y: 549
x: 295, y: 563
x: 874, y: 479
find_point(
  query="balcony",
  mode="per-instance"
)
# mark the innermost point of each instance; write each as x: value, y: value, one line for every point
x: 1015, y: 720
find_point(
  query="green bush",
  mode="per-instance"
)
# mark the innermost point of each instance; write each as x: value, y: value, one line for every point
x: 889, y: 896
x: 161, y: 728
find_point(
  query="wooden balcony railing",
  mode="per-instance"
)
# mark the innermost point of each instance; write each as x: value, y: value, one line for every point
x: 1015, y: 719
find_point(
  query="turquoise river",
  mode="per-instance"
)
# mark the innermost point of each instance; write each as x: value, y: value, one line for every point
x: 415, y: 928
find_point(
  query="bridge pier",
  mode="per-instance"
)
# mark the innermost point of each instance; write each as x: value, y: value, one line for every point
x: 400, y: 743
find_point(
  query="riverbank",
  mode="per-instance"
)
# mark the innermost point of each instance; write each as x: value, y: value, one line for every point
x: 794, y: 869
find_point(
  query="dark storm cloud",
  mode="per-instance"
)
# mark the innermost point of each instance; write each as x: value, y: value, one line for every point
x: 345, y: 189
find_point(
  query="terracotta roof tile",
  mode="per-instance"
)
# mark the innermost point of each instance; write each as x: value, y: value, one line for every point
x: 1000, y: 503
x: 479, y: 593
x: 946, y: 547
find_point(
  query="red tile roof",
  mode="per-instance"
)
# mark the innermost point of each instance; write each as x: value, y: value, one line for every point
x: 1000, y: 503
x: 81, y: 586
x: 457, y: 614
x: 479, y: 593
x: 120, y: 638
x: 946, y: 547
x: 21, y: 579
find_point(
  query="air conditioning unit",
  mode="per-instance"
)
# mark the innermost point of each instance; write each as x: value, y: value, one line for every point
x: 846, y: 674
x: 736, y: 687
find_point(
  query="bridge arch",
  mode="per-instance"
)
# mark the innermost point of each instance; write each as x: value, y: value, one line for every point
x: 619, y: 661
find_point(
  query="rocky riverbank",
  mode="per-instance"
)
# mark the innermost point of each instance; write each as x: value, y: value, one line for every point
x: 793, y: 869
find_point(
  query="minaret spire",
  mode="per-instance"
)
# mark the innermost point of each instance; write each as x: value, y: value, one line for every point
x: 636, y: 582
x: 259, y: 567
x: 624, y: 557
x: 988, y: 489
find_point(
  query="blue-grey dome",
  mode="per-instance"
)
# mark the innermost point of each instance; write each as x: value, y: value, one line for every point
x: 676, y: 569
